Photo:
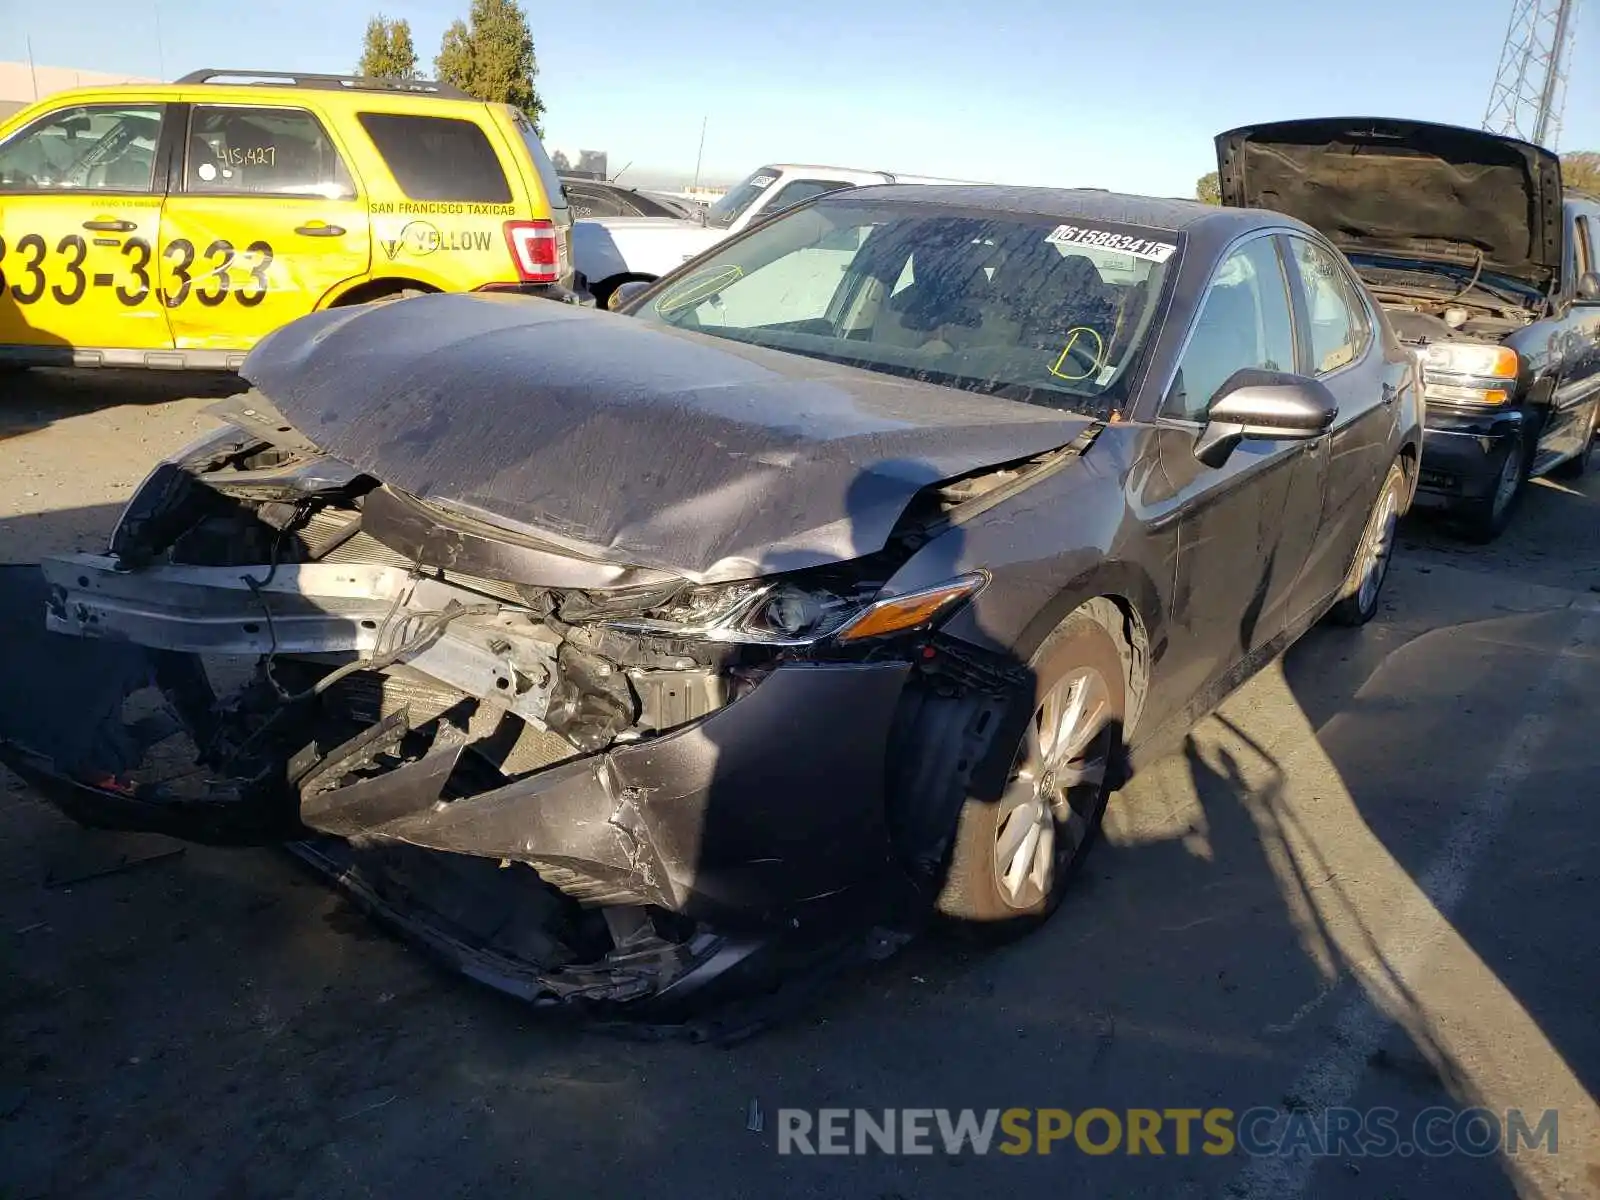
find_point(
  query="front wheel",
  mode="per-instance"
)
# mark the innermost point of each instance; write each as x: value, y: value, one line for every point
x: 1578, y: 465
x: 1013, y: 855
x: 1486, y: 519
x: 1371, y: 566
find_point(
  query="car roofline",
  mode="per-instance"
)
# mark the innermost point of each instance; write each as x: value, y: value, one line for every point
x: 1156, y: 208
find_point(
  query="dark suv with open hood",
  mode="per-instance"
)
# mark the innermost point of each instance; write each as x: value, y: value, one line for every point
x: 1483, y: 265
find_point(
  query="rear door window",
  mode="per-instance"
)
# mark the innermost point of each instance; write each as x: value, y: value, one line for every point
x: 438, y: 158
x: 1339, y: 331
x: 234, y: 150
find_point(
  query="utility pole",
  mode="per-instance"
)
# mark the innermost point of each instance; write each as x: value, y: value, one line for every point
x: 700, y: 154
x: 1530, y: 84
x: 161, y: 57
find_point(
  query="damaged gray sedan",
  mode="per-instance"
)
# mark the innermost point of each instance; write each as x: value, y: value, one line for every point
x: 838, y: 578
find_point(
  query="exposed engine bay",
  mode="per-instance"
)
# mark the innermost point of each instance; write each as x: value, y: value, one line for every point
x: 1421, y: 322
x: 1421, y: 311
x: 334, y: 663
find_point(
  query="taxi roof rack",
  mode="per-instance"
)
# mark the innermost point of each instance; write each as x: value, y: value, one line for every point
x: 337, y: 83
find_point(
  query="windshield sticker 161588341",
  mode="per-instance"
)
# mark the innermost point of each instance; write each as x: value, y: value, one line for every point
x: 1078, y: 235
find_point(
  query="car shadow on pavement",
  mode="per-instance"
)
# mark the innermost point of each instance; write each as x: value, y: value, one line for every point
x: 39, y: 397
x: 214, y: 1020
x: 1444, y: 860
x: 34, y: 398
x: 1553, y: 538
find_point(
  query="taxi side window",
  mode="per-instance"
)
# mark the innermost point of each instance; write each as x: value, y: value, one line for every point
x: 439, y: 158
x: 1339, y: 328
x: 272, y: 151
x: 87, y: 148
x: 1244, y: 321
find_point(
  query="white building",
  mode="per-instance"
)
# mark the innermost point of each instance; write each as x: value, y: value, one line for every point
x: 21, y: 83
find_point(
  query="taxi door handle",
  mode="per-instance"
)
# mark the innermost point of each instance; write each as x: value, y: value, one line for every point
x: 319, y: 230
x: 110, y: 225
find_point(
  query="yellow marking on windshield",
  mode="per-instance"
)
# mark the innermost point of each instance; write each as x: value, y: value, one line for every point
x: 1073, y: 335
x: 696, y: 290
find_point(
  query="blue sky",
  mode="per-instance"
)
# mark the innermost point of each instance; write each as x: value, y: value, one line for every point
x: 1125, y: 96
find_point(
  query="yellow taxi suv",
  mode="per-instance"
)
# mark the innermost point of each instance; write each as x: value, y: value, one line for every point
x: 175, y: 225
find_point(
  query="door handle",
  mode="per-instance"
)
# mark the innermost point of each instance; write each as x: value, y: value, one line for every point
x: 319, y: 230
x: 1390, y: 393
x: 110, y: 225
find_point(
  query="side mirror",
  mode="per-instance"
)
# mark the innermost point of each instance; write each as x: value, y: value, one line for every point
x: 624, y: 292
x: 1589, y: 288
x: 1266, y: 405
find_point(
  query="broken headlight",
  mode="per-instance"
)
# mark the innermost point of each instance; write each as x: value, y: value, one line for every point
x: 800, y: 612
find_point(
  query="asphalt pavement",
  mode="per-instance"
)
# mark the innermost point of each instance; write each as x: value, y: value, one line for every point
x: 1368, y: 885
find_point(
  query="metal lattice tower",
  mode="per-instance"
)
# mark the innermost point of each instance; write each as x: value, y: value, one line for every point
x: 1530, y: 86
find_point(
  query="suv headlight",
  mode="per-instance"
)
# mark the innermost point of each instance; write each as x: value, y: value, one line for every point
x: 795, y: 613
x: 1469, y: 373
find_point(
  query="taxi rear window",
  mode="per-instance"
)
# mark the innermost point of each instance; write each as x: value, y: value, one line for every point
x: 438, y: 158
x: 554, y: 191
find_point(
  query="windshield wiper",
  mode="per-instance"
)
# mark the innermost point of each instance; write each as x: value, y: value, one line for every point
x: 1412, y: 266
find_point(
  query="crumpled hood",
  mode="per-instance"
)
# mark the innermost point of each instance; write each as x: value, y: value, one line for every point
x: 626, y: 442
x: 1405, y: 187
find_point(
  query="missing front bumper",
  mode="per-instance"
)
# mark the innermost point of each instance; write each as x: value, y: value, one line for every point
x: 761, y: 814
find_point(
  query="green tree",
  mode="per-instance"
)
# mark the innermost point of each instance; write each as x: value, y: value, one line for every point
x: 490, y: 56
x: 1581, y: 169
x: 1208, y: 189
x: 387, y: 51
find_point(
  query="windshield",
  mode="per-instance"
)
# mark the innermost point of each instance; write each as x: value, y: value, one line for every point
x: 735, y: 200
x: 1018, y: 306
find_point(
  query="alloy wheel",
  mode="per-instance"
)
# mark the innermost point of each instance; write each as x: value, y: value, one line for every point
x: 1380, y: 545
x: 1063, y: 758
x: 1510, y: 479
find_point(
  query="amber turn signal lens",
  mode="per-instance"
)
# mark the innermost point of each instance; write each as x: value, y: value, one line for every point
x: 911, y: 611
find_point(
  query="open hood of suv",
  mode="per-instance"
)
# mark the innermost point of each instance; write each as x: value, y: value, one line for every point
x: 1405, y: 187
x: 606, y: 437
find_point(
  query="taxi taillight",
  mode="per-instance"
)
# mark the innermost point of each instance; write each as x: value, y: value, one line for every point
x: 535, y: 250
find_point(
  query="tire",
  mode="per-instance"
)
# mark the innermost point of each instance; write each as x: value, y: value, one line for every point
x: 1578, y: 465
x: 1012, y: 854
x: 1371, y: 567
x: 402, y: 294
x: 1483, y: 520
x: 602, y: 291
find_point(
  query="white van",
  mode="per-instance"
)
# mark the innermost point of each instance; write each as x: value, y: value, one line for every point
x: 610, y: 251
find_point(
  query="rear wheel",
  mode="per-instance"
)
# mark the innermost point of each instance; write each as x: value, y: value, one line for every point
x: 1371, y: 566
x: 1012, y: 856
x: 402, y: 294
